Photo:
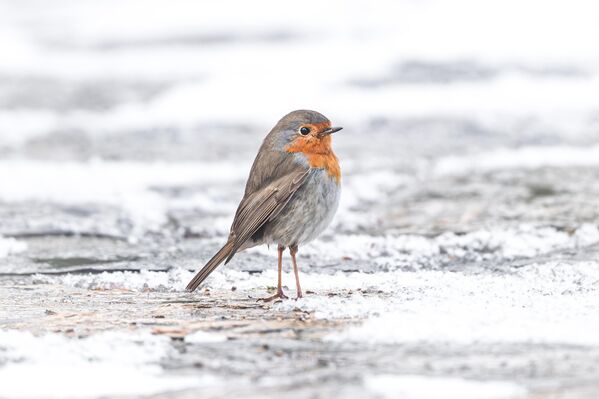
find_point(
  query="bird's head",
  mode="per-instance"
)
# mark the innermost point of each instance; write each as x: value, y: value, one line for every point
x: 304, y: 131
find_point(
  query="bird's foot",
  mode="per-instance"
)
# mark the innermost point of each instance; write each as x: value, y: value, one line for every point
x: 279, y: 295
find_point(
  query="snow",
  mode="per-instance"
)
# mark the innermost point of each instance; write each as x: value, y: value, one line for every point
x: 554, y: 302
x: 127, y: 185
x: 551, y: 302
x: 519, y: 158
x: 202, y: 337
x: 424, y: 387
x: 524, y: 240
x: 392, y: 252
x: 11, y: 246
x: 349, y: 106
x: 246, y: 77
x: 105, y: 364
x: 173, y: 280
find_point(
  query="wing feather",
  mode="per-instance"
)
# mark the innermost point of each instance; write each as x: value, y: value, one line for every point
x: 263, y: 205
x: 262, y: 202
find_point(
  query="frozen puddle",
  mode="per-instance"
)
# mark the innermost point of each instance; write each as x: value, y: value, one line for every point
x: 105, y: 364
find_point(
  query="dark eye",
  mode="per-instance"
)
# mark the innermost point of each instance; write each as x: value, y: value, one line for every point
x: 304, y: 130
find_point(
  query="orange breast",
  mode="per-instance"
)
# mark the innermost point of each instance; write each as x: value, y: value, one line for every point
x: 319, y: 154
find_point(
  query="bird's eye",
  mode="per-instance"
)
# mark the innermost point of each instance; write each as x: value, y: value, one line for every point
x: 304, y: 131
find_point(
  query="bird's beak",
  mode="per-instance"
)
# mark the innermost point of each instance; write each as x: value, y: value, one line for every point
x: 328, y: 131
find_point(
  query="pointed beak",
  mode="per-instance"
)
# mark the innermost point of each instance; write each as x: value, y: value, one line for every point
x: 328, y: 131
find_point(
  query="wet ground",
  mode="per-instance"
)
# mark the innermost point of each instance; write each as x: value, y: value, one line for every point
x: 463, y: 261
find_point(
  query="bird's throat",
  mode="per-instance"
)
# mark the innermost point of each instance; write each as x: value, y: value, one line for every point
x: 319, y: 154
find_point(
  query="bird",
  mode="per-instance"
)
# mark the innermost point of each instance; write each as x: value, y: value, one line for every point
x: 291, y: 194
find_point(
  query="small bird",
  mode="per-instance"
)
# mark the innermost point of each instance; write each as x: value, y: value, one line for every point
x: 291, y: 194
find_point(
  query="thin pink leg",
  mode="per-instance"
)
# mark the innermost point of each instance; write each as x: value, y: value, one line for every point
x: 298, y: 287
x: 280, y: 294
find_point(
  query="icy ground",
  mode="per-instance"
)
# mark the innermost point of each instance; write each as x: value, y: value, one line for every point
x: 463, y: 261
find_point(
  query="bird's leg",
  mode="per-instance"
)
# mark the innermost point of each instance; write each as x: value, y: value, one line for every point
x: 293, y: 252
x: 280, y: 293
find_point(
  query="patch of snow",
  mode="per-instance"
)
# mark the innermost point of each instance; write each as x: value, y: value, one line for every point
x: 425, y: 387
x: 519, y: 158
x: 394, y: 251
x: 339, y: 305
x: 202, y: 337
x: 105, y: 364
x: 146, y: 280
x: 23, y: 125
x: 127, y: 185
x: 554, y: 302
x: 11, y: 246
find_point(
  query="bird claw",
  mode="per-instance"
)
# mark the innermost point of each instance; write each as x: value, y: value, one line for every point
x: 278, y: 295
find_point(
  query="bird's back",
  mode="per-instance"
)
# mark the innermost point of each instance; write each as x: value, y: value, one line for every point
x: 269, y: 165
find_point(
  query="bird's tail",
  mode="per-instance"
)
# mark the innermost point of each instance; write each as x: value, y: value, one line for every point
x: 212, y: 264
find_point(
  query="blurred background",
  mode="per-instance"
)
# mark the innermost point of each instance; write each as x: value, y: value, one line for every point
x: 470, y: 155
x: 94, y: 96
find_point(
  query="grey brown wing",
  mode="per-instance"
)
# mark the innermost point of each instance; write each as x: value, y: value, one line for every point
x: 263, y: 205
x: 254, y: 211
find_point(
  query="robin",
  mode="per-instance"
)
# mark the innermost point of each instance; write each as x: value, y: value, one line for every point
x: 290, y: 196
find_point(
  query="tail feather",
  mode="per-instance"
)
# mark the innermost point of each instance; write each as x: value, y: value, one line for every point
x: 224, y: 253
